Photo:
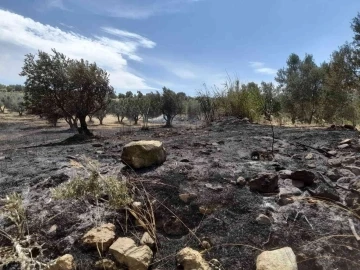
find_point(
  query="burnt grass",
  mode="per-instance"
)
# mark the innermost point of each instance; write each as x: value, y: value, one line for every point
x: 38, y: 158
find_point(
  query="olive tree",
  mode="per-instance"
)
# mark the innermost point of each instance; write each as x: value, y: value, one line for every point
x: 171, y: 105
x: 76, y: 87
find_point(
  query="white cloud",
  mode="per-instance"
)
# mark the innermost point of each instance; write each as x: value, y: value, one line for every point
x: 259, y: 67
x: 145, y: 42
x: 111, y: 54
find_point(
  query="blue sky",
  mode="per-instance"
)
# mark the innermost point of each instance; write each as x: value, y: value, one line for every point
x: 181, y: 44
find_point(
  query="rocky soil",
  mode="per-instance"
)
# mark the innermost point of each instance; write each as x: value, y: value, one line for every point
x: 233, y: 197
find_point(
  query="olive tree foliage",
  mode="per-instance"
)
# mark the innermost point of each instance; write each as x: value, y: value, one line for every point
x: 171, y: 105
x: 150, y: 107
x: 75, y: 88
x: 13, y: 101
x: 118, y: 108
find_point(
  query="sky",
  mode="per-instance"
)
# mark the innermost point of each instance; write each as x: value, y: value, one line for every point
x: 180, y: 44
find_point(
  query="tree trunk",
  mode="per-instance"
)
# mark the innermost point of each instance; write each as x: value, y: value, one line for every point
x: 122, y: 119
x: 83, y: 129
x: 90, y: 118
x: 136, y: 120
x: 118, y: 117
x: 168, y: 121
x: 101, y: 120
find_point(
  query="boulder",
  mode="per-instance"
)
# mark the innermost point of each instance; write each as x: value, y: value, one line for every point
x: 190, y: 259
x: 305, y: 176
x: 279, y: 259
x: 126, y: 252
x: 265, y: 183
x: 101, y: 237
x: 65, y: 262
x: 325, y: 192
x: 142, y: 154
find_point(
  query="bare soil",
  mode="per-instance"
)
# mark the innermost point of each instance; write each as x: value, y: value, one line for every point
x: 202, y: 160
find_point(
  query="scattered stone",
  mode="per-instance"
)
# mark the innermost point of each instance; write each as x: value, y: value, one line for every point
x: 334, y: 162
x: 125, y: 251
x: 65, y: 262
x: 309, y: 156
x: 305, y: 176
x: 101, y: 237
x: 105, y: 264
x: 263, y: 219
x: 332, y: 153
x: 355, y: 184
x: 348, y: 160
x: 344, y: 146
x: 174, y: 226
x: 289, y: 191
x: 333, y: 175
x: 346, y: 173
x: 52, y: 229
x: 353, y: 169
x: 346, y: 141
x: 221, y: 142
x: 142, y: 154
x: 99, y: 152
x: 311, y: 166
x: 187, y: 197
x: 241, y: 181
x: 136, y: 205
x: 205, y: 244
x: 284, y: 174
x: 344, y: 180
x: 215, y: 188
x: 190, y: 259
x: 283, y: 259
x: 146, y: 239
x: 285, y: 201
x: 265, y: 183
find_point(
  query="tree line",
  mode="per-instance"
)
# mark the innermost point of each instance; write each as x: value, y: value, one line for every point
x: 58, y: 87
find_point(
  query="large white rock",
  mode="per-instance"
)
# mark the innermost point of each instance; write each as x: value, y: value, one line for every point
x: 191, y: 259
x: 279, y: 259
x: 136, y: 258
x: 101, y: 237
x: 142, y: 154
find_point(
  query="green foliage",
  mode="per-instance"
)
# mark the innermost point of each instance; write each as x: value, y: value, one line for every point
x: 76, y: 87
x: 13, y: 101
x: 171, y: 105
x: 95, y: 187
x: 193, y: 109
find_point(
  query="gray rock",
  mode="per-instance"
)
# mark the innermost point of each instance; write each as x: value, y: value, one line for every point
x: 348, y: 160
x: 284, y: 174
x: 263, y: 219
x: 354, y: 169
x: 325, y: 192
x: 334, y: 162
x: 265, y: 183
x: 305, y: 176
x: 241, y: 181
x: 344, y: 146
x: 283, y: 259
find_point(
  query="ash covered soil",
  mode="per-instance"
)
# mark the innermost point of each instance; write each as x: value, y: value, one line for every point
x: 313, y: 219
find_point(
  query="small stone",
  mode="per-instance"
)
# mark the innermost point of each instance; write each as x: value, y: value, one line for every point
x: 346, y: 173
x: 213, y: 187
x: 205, y: 244
x: 283, y: 259
x: 346, y: 141
x: 65, y: 262
x: 298, y: 184
x: 99, y: 152
x: 263, y: 219
x: 52, y: 229
x: 190, y: 259
x: 146, y: 239
x: 353, y: 169
x: 241, y: 181
x: 334, y: 162
x: 309, y: 156
x: 332, y: 153
x: 101, y: 237
x: 311, y: 166
x: 187, y: 197
x: 285, y: 201
x: 136, y: 205
x: 105, y: 264
x: 344, y: 146
x: 348, y: 160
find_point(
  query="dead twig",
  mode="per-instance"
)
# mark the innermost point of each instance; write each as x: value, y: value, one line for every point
x: 352, y: 227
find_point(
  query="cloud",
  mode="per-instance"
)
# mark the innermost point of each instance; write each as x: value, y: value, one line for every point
x: 110, y: 54
x: 259, y: 67
x: 130, y: 36
x: 134, y: 9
